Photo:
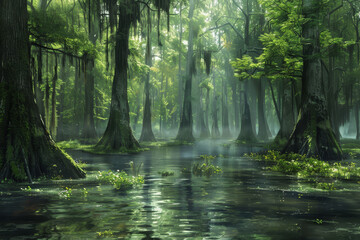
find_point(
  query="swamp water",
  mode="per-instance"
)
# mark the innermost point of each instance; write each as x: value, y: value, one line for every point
x: 243, y: 202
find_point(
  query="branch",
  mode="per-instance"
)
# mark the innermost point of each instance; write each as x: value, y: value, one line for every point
x: 54, y: 50
x: 337, y: 8
x: 47, y: 5
x: 242, y: 10
x: 147, y: 5
x: 224, y: 25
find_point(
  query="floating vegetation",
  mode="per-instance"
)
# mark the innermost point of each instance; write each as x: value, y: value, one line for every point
x: 106, y: 233
x: 311, y: 169
x: 166, y: 173
x: 206, y: 168
x: 120, y: 180
x: 67, y: 193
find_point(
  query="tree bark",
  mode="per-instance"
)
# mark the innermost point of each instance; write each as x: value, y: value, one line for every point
x: 313, y: 134
x: 89, y: 131
x: 204, y: 129
x: 118, y: 135
x: 225, y: 113
x: 215, y: 132
x: 186, y: 122
x: 287, y: 121
x: 147, y: 134
x: 262, y: 134
x: 26, y: 149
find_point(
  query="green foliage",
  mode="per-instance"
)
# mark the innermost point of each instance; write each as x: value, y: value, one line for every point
x: 51, y: 27
x: 120, y: 180
x: 206, y: 168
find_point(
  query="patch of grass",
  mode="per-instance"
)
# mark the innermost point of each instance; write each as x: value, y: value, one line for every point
x: 206, y: 168
x: 120, y: 180
x: 166, y: 173
x: 311, y: 169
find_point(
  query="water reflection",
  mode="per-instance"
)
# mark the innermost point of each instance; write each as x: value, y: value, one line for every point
x: 245, y: 202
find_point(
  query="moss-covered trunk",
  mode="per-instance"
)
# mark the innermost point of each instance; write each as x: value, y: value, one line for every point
x: 313, y: 134
x: 26, y: 148
x: 118, y: 135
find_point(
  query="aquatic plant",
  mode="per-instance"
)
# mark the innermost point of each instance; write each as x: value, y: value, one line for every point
x: 67, y: 193
x: 166, y: 173
x: 120, y: 180
x: 27, y: 189
x: 85, y: 192
x: 309, y: 168
x: 106, y: 233
x: 135, y: 168
x: 206, y: 168
x: 318, y: 221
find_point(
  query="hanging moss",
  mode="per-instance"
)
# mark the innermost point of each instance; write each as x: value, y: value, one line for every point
x: 207, y: 60
x: 165, y: 6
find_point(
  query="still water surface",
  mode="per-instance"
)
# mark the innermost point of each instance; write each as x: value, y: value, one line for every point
x: 244, y: 202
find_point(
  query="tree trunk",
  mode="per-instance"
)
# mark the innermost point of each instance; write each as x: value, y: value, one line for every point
x: 225, y: 114
x: 246, y: 134
x: 313, y: 134
x: 53, y: 120
x: 60, y: 126
x: 215, y: 132
x: 262, y: 134
x: 186, y: 122
x: 147, y: 134
x: 89, y: 131
x: 118, y: 135
x: 356, y: 110
x: 39, y: 92
x: 26, y: 148
x: 287, y: 122
x: 235, y: 98
x: 204, y: 129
